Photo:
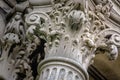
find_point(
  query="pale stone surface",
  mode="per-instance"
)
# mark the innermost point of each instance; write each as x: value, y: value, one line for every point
x: 73, y: 33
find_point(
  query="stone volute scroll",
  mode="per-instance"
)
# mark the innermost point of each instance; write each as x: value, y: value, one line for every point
x: 72, y: 32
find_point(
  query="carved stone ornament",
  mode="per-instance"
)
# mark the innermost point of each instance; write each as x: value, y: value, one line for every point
x: 73, y: 34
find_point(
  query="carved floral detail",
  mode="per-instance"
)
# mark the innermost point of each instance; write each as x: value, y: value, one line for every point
x: 103, y: 9
x: 15, y: 30
x: 72, y: 32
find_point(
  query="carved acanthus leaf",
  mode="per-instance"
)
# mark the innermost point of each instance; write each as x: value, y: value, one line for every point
x: 15, y: 30
x: 73, y: 35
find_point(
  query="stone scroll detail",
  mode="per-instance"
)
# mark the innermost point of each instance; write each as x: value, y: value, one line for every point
x: 16, y: 46
x: 73, y: 35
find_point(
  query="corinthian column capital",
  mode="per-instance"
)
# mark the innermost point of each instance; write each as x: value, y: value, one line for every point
x: 73, y: 34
